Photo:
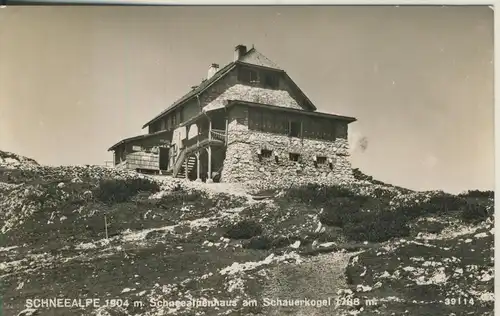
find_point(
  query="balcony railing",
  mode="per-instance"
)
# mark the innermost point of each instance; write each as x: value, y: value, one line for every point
x: 189, y: 145
x: 214, y: 135
x: 219, y: 134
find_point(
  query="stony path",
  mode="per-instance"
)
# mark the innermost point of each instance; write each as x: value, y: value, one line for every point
x: 317, y: 278
x: 228, y: 188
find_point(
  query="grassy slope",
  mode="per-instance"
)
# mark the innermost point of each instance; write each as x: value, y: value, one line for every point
x: 179, y: 246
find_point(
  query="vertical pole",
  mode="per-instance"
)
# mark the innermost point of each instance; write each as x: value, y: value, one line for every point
x: 209, y: 178
x: 198, y: 166
x: 186, y: 167
x: 197, y: 136
x: 209, y: 131
x: 106, y: 226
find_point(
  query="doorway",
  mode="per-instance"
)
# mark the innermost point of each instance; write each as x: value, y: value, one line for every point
x: 164, y: 158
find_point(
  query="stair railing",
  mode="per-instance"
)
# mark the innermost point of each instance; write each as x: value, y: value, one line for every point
x: 178, y: 162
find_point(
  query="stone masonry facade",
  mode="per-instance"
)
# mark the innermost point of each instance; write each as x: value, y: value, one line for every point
x: 266, y: 107
x: 243, y: 164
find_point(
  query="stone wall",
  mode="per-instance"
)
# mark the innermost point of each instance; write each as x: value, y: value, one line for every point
x: 242, y: 162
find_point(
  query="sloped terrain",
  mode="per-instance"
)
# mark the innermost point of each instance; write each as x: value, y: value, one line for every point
x: 162, y: 246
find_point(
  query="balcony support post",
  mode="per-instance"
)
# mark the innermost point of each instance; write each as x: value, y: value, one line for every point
x: 209, y: 176
x: 198, y: 179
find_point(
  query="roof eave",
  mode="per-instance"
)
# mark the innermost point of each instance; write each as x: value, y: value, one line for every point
x: 349, y: 119
x: 230, y: 67
x: 239, y: 62
x: 311, y: 105
x: 139, y: 137
x: 114, y: 146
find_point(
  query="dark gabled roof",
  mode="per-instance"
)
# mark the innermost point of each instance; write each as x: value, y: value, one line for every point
x: 127, y: 140
x: 199, y: 89
x: 254, y: 57
x: 251, y: 58
x: 349, y: 119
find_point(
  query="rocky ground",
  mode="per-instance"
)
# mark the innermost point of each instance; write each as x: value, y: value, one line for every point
x: 108, y: 242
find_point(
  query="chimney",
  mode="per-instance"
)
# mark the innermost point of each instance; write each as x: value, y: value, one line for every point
x: 239, y: 51
x: 212, y: 70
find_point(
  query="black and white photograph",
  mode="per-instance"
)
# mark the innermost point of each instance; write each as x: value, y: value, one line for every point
x: 327, y: 160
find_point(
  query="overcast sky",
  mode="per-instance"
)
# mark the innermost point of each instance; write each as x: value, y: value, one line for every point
x: 75, y: 80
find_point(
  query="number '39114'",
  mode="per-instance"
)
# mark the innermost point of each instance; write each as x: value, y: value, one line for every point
x: 459, y: 301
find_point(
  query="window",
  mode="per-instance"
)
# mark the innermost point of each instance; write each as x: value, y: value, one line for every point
x: 155, y: 127
x: 294, y: 157
x: 247, y: 75
x: 334, y: 131
x: 265, y: 153
x: 295, y: 129
x: 255, y: 118
x: 271, y: 81
x: 285, y: 126
x: 320, y: 160
x: 268, y: 122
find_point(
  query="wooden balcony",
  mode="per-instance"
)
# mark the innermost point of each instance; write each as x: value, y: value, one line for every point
x: 213, y: 137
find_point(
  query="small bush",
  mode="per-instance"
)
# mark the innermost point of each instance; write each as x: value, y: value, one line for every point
x: 478, y: 194
x: 474, y: 213
x: 260, y: 243
x: 281, y: 241
x: 376, y: 226
x: 338, y: 211
x: 121, y: 190
x: 315, y: 194
x: 244, y: 229
x: 439, y: 204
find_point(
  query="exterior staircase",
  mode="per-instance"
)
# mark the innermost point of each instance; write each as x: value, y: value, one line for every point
x: 191, y: 163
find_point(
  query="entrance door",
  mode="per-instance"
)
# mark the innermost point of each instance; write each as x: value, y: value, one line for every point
x: 164, y: 158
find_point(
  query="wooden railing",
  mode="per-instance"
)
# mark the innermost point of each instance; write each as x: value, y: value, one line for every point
x: 219, y: 134
x: 195, y: 140
x: 178, y: 162
x: 215, y: 134
x: 190, y: 144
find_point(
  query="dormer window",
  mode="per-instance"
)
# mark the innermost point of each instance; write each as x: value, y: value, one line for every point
x: 248, y: 75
